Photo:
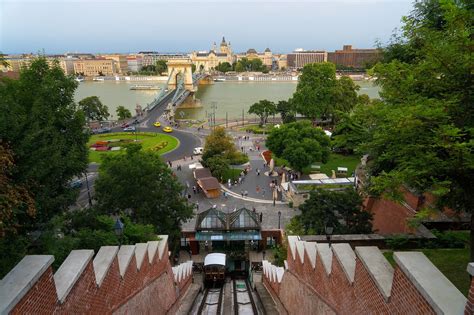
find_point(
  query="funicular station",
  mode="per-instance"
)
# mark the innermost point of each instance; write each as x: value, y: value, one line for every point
x: 236, y: 234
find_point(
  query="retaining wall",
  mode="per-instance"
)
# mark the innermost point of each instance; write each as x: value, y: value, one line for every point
x: 128, y: 279
x: 337, y: 279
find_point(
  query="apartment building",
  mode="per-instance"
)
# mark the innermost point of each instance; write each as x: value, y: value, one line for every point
x: 95, y: 67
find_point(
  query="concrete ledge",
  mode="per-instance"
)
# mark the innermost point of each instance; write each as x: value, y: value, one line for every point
x: 162, y: 245
x: 470, y: 268
x: 311, y: 251
x: 325, y: 253
x: 292, y: 243
x: 378, y: 268
x: 20, y: 279
x: 140, y: 250
x: 280, y: 271
x: 152, y: 248
x: 286, y: 264
x: 124, y: 257
x: 347, y: 258
x: 70, y: 271
x: 300, y: 250
x: 102, y: 262
x: 438, y: 291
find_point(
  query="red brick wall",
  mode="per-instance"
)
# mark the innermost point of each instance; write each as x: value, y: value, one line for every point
x: 151, y: 289
x: 389, y: 217
x: 470, y: 300
x: 319, y: 293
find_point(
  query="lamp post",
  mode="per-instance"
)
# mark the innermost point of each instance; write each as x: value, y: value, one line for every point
x: 118, y: 228
x: 279, y: 219
x: 328, y: 230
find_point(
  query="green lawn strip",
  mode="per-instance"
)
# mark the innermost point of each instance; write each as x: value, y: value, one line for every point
x: 451, y: 262
x: 232, y: 173
x: 148, y: 140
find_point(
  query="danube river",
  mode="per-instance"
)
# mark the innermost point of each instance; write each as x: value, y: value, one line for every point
x: 229, y: 98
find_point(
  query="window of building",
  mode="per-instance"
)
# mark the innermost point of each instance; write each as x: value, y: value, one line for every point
x: 184, y: 242
x: 270, y: 241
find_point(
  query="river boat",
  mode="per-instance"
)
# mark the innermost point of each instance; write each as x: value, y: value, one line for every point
x: 79, y: 79
x: 98, y: 79
x: 219, y: 80
x: 144, y: 87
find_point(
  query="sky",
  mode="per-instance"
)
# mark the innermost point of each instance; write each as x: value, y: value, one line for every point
x: 59, y: 26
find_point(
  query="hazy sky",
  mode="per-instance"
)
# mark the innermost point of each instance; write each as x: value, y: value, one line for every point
x: 130, y: 26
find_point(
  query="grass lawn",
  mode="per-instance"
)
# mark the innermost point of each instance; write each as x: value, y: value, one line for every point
x: 232, y: 173
x: 451, y: 262
x: 335, y: 161
x: 148, y: 141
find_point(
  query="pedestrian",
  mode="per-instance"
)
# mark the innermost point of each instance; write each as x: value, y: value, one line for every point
x: 197, y: 205
x: 194, y: 190
x: 242, y: 193
x: 206, y: 246
x: 240, y: 180
x: 189, y: 196
x: 263, y: 192
x: 242, y: 149
x: 246, y: 193
x: 257, y: 189
x: 261, y: 217
x: 229, y: 183
x: 254, y: 210
x: 192, y: 157
x: 184, y: 157
x: 258, y: 172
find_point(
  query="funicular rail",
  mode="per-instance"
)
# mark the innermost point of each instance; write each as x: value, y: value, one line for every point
x: 243, y: 299
x: 211, y: 301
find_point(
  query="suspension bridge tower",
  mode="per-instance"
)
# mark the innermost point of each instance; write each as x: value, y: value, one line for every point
x: 180, y: 72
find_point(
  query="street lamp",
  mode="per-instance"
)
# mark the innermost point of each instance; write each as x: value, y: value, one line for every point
x: 328, y: 230
x: 279, y: 219
x: 118, y: 228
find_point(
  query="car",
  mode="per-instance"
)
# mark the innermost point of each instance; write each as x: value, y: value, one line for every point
x: 167, y: 129
x: 125, y: 125
x: 157, y: 124
x: 198, y: 150
x: 75, y: 183
x: 129, y: 129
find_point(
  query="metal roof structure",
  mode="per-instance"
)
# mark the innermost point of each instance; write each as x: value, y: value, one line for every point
x: 216, y: 220
x: 214, y: 259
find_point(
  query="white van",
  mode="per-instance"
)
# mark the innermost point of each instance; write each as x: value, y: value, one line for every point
x: 198, y: 151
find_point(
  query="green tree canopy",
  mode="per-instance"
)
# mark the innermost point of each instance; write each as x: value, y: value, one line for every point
x: 140, y: 183
x: 161, y: 66
x: 41, y: 124
x: 263, y: 109
x: 299, y: 143
x: 319, y: 94
x: 224, y: 67
x: 341, y: 210
x: 93, y: 108
x: 422, y: 135
x: 286, y: 110
x: 245, y: 64
x: 219, y: 143
x: 123, y: 113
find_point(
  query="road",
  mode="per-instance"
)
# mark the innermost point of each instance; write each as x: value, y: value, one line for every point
x: 187, y: 142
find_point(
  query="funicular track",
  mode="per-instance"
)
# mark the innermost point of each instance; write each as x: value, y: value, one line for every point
x: 211, y: 301
x: 243, y: 299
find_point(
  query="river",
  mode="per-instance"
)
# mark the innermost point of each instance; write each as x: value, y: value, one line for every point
x: 229, y: 97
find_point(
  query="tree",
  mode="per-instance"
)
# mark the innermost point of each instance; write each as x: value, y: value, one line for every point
x: 314, y: 93
x: 299, y: 143
x: 263, y: 109
x: 422, y: 136
x: 286, y: 110
x: 224, y: 67
x: 140, y: 183
x: 123, y: 113
x: 93, y: 108
x: 218, y: 143
x: 161, y: 66
x: 320, y: 95
x: 218, y: 166
x: 42, y: 126
x: 340, y: 209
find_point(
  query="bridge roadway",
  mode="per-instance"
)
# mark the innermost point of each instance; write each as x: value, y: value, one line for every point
x: 188, y: 141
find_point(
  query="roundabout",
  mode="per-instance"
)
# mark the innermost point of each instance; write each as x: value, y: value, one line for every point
x: 113, y: 143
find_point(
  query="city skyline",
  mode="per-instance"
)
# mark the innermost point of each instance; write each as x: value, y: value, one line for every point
x: 185, y: 26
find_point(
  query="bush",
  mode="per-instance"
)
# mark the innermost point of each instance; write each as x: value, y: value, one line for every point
x: 397, y: 241
x: 239, y: 159
x: 279, y: 255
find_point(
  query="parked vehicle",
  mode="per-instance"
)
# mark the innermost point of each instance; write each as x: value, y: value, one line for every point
x: 124, y: 125
x: 129, y: 129
x: 198, y: 150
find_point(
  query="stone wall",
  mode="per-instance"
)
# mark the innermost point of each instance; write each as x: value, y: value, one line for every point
x: 337, y: 279
x: 127, y: 279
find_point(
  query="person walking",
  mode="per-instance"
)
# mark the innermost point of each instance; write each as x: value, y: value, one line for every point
x: 194, y: 189
x: 257, y: 189
x: 263, y: 192
x: 242, y: 193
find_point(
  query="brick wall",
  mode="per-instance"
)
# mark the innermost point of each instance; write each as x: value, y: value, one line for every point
x: 151, y: 288
x: 356, y: 283
x: 389, y: 217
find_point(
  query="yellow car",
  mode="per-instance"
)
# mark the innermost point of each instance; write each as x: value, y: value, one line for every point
x: 157, y: 124
x: 167, y: 129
